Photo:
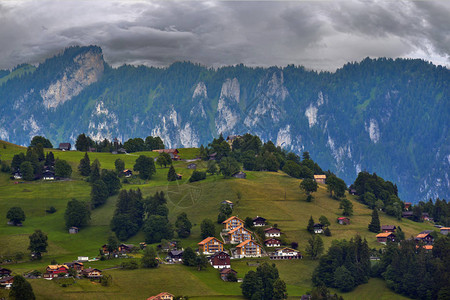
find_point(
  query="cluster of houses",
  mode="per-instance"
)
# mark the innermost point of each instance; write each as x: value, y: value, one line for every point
x: 54, y: 271
x: 6, y: 280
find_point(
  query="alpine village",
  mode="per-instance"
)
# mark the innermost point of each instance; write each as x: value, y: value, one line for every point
x: 236, y: 219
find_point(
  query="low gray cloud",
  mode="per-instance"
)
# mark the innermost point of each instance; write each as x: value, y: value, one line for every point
x: 319, y: 35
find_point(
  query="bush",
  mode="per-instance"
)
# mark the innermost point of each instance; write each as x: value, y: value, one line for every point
x: 51, y: 210
x: 129, y: 265
x: 197, y: 176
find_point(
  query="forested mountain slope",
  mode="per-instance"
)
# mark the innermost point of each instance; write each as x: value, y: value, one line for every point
x: 383, y: 115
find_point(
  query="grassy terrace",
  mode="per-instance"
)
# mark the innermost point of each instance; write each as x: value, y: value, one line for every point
x: 274, y: 196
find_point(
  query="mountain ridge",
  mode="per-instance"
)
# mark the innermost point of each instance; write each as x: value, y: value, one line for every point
x: 381, y: 115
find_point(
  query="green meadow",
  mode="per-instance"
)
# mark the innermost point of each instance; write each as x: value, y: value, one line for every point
x: 274, y: 196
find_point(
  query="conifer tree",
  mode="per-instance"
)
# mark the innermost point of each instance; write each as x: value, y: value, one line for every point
x: 85, y: 165
x: 95, y: 171
x: 310, y: 227
x: 172, y: 175
x: 374, y: 225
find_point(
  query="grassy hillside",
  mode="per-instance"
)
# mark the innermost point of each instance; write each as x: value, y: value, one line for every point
x: 274, y: 196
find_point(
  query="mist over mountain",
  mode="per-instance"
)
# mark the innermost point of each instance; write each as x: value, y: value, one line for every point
x: 380, y: 115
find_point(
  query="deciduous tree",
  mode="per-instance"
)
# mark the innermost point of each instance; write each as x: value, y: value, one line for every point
x: 38, y: 243
x: 15, y: 215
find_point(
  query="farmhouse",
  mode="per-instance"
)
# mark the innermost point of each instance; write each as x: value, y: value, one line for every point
x: 5, y: 272
x: 127, y: 173
x: 425, y: 238
x: 407, y: 214
x: 259, y: 221
x: 78, y: 266
x: 320, y: 178
x: 57, y: 269
x: 162, y: 296
x: 126, y: 248
x: 175, y: 256
x: 272, y: 242
x: 318, y: 228
x: 248, y: 248
x: 48, y: 175
x: 238, y: 235
x: 73, y: 230
x: 388, y: 228
x: 343, y: 220
x: 64, y: 146
x: 232, y: 223
x: 385, y: 236
x: 172, y: 152
x: 445, y: 230
x: 272, y: 232
x: 210, y: 245
x: 92, y: 273
x: 6, y: 282
x: 286, y: 253
x: 224, y: 273
x: 220, y: 260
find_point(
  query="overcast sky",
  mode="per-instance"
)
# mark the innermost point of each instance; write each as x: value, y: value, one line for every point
x: 320, y: 35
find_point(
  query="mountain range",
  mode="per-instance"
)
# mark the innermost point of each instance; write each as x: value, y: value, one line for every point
x: 381, y: 115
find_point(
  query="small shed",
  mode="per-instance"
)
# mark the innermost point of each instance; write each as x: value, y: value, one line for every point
x: 192, y: 166
x: 320, y: 178
x: 127, y: 173
x: 73, y: 230
x: 179, y: 176
x: 227, y: 202
x: 343, y: 220
x: 388, y: 228
x: 224, y: 273
x: 407, y: 214
x: 48, y: 175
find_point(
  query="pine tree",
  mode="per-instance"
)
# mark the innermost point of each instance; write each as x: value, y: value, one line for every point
x: 327, y: 232
x: 310, y: 227
x: 374, y: 225
x: 85, y: 165
x: 172, y: 175
x: 95, y: 171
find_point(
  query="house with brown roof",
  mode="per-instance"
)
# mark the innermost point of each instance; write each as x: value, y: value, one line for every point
x: 64, y: 146
x: 272, y: 232
x: 248, y: 248
x: 172, y: 152
x: 232, y: 223
x: 92, y: 273
x: 6, y: 282
x: 385, y: 236
x: 407, y: 205
x: 444, y: 230
x: 126, y: 248
x: 320, y: 178
x: 175, y: 256
x: 210, y: 245
x: 286, y: 253
x: 259, y: 221
x: 5, y: 272
x: 388, y: 228
x: 407, y: 214
x: 78, y: 266
x: 272, y: 242
x: 425, y: 217
x: 238, y: 235
x: 343, y: 220
x: 220, y: 260
x: 162, y: 296
x: 224, y: 273
x: 425, y: 237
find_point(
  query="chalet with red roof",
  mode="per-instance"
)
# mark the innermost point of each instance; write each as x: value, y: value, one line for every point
x: 172, y: 152
x: 162, y: 296
x: 210, y: 245
x: 343, y: 220
x: 220, y: 260
x: 238, y: 235
x: 232, y: 223
x: 248, y: 248
x: 272, y: 242
x: 272, y: 232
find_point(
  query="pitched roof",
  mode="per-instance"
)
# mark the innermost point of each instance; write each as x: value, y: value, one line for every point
x: 287, y: 248
x: 445, y: 228
x: 227, y: 270
x: 422, y: 235
x: 157, y: 297
x: 384, y: 234
x: 237, y: 228
x: 388, y: 227
x: 231, y: 218
x: 272, y: 229
x: 209, y: 239
x: 220, y: 253
x: 55, y: 267
x: 259, y: 218
x: 245, y: 243
x: 320, y: 176
x: 343, y: 218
